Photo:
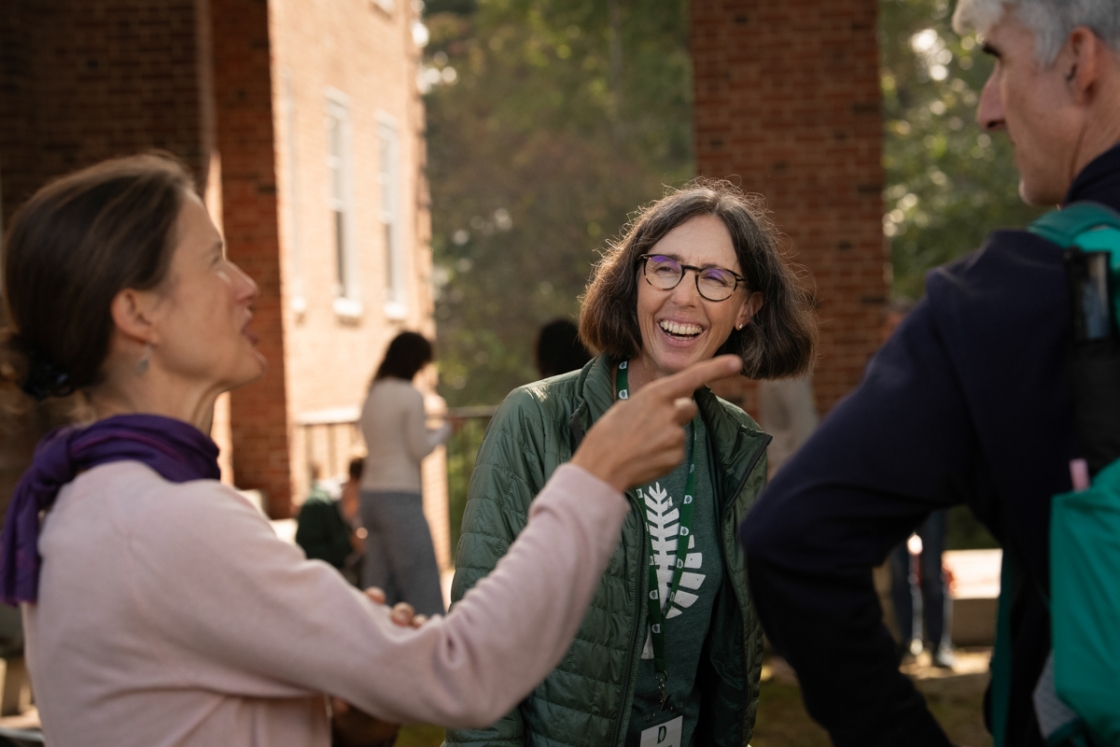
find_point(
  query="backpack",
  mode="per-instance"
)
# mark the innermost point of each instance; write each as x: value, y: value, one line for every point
x: 1076, y: 698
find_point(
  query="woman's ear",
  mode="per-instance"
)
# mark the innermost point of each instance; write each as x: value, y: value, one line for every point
x: 750, y: 307
x: 133, y: 314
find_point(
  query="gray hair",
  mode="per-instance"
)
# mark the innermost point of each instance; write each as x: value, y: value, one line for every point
x: 1052, y: 21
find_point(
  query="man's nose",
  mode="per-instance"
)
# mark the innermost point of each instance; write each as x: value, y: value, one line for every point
x: 989, y: 113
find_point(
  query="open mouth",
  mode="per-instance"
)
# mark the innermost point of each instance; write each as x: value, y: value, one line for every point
x: 249, y: 334
x: 680, y: 330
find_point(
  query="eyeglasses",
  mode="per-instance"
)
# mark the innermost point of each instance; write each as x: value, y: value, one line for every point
x: 712, y: 283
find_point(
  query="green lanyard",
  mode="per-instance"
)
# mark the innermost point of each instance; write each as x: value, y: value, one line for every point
x: 656, y: 610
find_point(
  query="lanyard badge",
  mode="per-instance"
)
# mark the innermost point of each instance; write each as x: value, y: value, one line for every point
x: 656, y: 605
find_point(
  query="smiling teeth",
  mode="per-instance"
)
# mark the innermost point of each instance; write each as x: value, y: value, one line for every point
x: 680, y: 329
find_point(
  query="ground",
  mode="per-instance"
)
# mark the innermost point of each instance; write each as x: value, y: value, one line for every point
x: 954, y: 698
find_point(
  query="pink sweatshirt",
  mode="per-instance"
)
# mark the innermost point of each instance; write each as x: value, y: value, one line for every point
x: 171, y: 614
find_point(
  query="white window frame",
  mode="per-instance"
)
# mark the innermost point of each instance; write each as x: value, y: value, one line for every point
x: 293, y: 213
x: 340, y: 203
x: 389, y: 213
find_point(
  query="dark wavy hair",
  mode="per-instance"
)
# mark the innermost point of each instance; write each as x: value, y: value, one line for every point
x: 407, y: 354
x: 780, y: 339
x: 70, y: 249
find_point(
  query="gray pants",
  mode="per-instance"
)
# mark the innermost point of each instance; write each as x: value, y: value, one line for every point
x: 400, y: 557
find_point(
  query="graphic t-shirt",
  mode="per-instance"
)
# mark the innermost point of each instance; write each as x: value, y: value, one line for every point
x: 688, y: 616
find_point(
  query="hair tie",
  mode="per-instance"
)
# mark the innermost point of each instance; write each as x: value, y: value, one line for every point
x: 44, y: 378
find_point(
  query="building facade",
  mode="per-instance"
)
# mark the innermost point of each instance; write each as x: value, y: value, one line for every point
x: 303, y: 122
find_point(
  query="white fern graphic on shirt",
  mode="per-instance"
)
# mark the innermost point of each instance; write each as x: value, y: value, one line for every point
x: 663, y: 525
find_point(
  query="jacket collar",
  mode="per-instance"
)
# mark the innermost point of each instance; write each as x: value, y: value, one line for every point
x: 734, y: 439
x: 1099, y: 181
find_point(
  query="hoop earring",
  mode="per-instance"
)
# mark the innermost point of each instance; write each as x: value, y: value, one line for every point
x: 145, y: 360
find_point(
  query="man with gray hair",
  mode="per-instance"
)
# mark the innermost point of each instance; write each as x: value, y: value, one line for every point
x: 967, y: 403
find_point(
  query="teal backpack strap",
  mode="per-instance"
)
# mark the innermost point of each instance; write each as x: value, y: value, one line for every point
x: 1001, y: 656
x: 1064, y: 226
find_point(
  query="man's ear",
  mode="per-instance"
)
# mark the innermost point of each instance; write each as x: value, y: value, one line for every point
x: 132, y: 313
x: 1081, y: 63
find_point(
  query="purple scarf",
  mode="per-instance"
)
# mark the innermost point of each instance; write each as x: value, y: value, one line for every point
x: 178, y: 451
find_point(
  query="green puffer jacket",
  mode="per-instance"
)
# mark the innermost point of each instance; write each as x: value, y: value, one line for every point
x: 586, y: 701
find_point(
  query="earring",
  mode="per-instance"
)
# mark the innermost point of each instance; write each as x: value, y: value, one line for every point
x: 740, y: 327
x: 145, y: 359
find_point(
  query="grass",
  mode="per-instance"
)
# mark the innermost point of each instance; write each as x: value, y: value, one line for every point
x: 954, y: 699
x: 420, y: 736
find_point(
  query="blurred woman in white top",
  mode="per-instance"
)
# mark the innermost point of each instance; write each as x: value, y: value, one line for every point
x: 399, y: 557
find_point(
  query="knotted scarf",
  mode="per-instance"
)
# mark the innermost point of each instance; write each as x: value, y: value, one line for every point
x: 177, y: 451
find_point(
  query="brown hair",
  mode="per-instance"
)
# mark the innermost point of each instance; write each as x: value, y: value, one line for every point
x: 407, y: 354
x: 355, y: 468
x: 70, y: 249
x: 780, y: 339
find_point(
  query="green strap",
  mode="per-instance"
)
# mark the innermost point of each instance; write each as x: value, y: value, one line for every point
x: 1064, y: 226
x: 1001, y: 657
x: 656, y: 604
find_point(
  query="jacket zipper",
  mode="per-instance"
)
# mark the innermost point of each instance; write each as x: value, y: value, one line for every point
x: 735, y: 496
x: 723, y: 522
x: 627, y: 690
x: 750, y: 468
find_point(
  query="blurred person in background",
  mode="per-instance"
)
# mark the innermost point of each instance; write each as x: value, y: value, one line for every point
x: 967, y: 403
x: 787, y: 411
x: 558, y: 349
x: 400, y: 557
x: 159, y: 605
x: 671, y: 650
x: 331, y: 530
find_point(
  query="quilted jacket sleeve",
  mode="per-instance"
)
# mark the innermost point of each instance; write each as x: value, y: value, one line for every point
x: 508, y: 474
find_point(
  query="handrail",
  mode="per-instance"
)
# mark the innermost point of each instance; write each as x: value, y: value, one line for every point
x: 473, y: 411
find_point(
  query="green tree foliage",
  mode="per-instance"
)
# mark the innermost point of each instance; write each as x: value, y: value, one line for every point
x: 948, y: 182
x: 549, y: 121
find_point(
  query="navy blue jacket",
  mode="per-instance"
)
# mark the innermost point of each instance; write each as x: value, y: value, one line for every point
x: 967, y: 403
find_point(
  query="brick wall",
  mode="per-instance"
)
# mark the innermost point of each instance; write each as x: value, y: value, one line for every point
x: 242, y: 85
x: 84, y: 80
x: 370, y: 64
x: 787, y: 103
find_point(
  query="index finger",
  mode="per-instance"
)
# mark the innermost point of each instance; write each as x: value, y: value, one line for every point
x: 684, y: 383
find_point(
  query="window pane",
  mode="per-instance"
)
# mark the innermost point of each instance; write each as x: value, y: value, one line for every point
x: 391, y: 268
x: 340, y: 248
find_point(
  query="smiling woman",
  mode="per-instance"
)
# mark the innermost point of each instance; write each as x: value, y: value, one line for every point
x: 710, y: 224
x: 671, y: 650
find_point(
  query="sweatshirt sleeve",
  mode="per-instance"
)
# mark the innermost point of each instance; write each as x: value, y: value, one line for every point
x: 900, y: 446
x: 420, y: 439
x: 242, y: 612
x: 506, y: 476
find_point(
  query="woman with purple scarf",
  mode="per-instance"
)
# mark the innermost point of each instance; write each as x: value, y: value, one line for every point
x: 159, y: 607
